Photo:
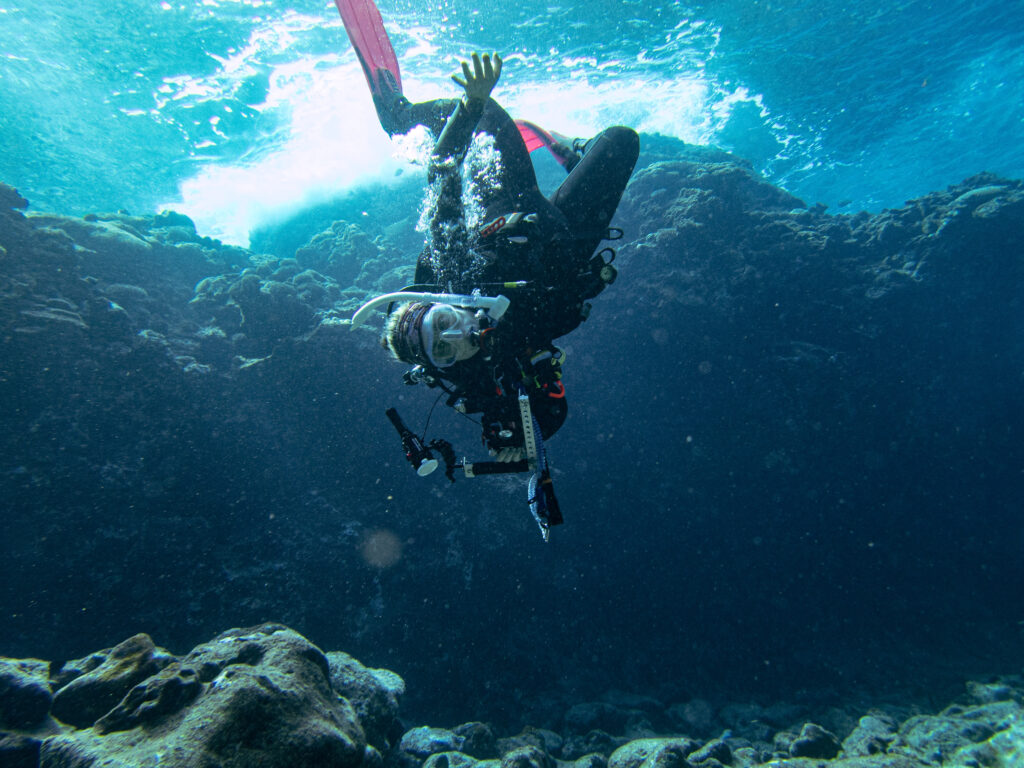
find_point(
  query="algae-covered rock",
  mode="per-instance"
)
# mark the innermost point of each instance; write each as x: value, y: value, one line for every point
x: 542, y: 738
x: 654, y: 753
x: 161, y: 695
x: 527, y: 757
x: 591, y: 760
x: 18, y: 751
x: 250, y: 697
x: 873, y: 735
x: 596, y: 741
x: 478, y: 740
x: 957, y: 730
x: 450, y: 760
x: 814, y: 741
x: 418, y: 744
x: 86, y: 698
x: 10, y: 199
x: 375, y: 695
x: 24, y: 692
x: 715, y: 752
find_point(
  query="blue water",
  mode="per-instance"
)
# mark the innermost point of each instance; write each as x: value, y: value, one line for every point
x: 239, y: 112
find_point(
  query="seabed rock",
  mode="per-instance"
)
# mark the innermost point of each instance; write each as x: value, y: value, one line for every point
x: 250, y: 697
x: 84, y: 698
x: 266, y: 697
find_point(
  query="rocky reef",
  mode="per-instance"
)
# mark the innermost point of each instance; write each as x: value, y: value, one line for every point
x: 266, y: 696
x: 791, y: 471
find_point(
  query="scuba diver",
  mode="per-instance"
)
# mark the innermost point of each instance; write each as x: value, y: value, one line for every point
x: 505, y: 271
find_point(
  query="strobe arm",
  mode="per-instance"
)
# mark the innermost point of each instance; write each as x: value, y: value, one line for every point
x: 415, y: 451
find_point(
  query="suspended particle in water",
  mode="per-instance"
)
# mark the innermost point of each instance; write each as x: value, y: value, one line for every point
x: 381, y: 548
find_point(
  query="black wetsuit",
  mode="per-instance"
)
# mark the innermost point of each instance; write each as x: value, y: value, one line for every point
x: 548, y: 247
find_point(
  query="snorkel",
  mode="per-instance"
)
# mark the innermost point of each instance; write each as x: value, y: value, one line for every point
x: 494, y: 306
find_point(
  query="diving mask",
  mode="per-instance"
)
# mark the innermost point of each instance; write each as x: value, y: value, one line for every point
x: 450, y: 334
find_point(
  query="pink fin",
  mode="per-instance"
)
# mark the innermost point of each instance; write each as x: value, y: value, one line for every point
x: 534, y: 137
x: 365, y: 29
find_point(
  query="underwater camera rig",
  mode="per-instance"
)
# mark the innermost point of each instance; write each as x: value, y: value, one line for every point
x: 540, y: 490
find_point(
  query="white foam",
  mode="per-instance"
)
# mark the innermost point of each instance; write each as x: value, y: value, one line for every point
x: 331, y: 140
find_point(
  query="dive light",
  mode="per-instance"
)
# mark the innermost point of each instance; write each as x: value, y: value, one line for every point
x: 415, y: 451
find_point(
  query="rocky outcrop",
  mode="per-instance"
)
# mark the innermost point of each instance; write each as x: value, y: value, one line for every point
x: 25, y: 697
x: 266, y: 696
x: 82, y: 699
x: 375, y: 694
x: 259, y: 696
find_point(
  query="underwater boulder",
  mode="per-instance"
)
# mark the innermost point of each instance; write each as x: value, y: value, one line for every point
x: 456, y: 760
x: 715, y: 752
x: 420, y: 743
x: 163, y: 694
x: 654, y: 753
x: 375, y: 695
x: 18, y: 751
x: 530, y: 736
x: 695, y: 717
x: 873, y: 735
x: 10, y: 199
x: 594, y: 742
x: 84, y: 699
x: 339, y: 252
x: 258, y: 696
x: 814, y: 741
x: 591, y: 760
x: 479, y: 740
x: 24, y: 692
x: 527, y: 757
x: 958, y: 731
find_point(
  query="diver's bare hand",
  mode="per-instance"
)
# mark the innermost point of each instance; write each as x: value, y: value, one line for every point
x: 480, y: 81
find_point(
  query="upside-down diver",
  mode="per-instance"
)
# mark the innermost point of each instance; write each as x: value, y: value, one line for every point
x: 495, y: 290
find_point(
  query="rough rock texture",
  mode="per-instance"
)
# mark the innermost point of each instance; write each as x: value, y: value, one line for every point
x: 814, y: 741
x: 654, y: 753
x: 18, y: 751
x: 250, y: 697
x: 419, y: 744
x: 25, y: 697
x: 265, y: 696
x: 85, y: 698
x: 375, y: 694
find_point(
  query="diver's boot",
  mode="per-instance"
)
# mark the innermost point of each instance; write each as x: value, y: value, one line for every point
x: 568, y: 151
x: 392, y: 107
x: 399, y: 115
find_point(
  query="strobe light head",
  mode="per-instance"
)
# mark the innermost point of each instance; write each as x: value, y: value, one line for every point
x: 423, y: 462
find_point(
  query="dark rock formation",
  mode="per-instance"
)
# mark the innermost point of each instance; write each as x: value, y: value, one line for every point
x: 814, y: 741
x: 25, y: 696
x: 418, y: 744
x: 374, y: 693
x: 18, y: 751
x: 266, y: 696
x: 872, y: 736
x: 258, y: 696
x: 85, y: 698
